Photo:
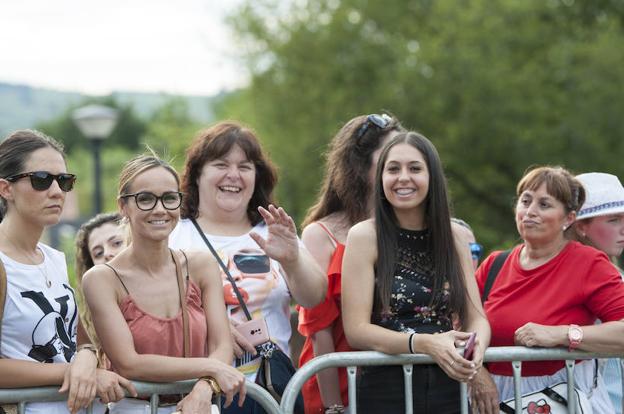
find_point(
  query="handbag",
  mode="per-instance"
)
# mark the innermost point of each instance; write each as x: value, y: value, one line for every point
x: 550, y: 400
x: 4, y: 408
x: 276, y: 368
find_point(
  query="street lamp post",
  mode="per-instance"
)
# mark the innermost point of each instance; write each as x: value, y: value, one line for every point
x: 96, y: 122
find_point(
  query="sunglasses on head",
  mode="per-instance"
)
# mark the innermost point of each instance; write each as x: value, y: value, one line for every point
x: 146, y: 201
x: 476, y: 250
x: 42, y: 180
x: 380, y: 121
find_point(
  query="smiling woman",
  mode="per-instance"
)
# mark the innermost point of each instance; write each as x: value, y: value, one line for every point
x: 228, y: 185
x: 150, y: 319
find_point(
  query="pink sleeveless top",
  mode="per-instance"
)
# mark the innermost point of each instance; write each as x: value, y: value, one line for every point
x: 164, y: 336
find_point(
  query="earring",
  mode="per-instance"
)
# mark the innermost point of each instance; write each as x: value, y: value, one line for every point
x: 583, y: 235
x: 564, y: 227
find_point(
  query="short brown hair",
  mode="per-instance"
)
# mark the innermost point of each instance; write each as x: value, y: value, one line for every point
x: 560, y: 183
x: 215, y: 142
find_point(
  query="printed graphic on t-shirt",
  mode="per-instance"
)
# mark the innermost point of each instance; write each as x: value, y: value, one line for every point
x: 53, y: 333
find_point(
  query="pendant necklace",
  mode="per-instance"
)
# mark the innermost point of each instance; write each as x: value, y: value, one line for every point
x: 40, y: 267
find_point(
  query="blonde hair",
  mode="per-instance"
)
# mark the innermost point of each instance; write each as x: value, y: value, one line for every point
x: 139, y: 165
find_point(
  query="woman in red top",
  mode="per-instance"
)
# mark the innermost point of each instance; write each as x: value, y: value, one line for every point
x: 548, y: 293
x: 345, y: 199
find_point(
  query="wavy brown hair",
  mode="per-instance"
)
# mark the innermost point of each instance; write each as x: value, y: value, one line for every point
x: 346, y: 186
x: 215, y: 142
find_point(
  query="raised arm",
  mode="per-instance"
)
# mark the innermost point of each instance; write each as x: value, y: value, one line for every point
x: 305, y: 279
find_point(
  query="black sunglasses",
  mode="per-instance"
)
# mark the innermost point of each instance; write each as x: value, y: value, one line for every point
x: 42, y: 180
x: 146, y: 201
x: 380, y: 121
x: 476, y: 250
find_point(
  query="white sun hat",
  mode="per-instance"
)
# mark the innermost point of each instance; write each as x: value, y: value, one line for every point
x: 604, y: 195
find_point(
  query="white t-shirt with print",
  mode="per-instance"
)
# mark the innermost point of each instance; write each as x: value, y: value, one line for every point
x: 260, y: 280
x: 39, y: 322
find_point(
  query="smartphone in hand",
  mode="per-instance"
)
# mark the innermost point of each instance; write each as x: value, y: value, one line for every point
x: 470, y: 344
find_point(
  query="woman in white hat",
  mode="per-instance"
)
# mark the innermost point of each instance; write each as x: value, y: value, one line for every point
x: 600, y: 223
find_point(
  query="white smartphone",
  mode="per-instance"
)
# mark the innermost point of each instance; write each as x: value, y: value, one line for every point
x: 255, y: 331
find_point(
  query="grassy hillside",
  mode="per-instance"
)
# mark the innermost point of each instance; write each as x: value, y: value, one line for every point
x: 22, y: 106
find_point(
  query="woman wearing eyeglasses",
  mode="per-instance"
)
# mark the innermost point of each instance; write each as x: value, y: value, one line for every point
x: 159, y: 313
x: 346, y: 198
x: 228, y: 185
x: 40, y: 321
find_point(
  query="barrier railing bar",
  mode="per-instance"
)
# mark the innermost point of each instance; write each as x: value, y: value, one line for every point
x: 571, y: 397
x: 463, y: 397
x: 407, y: 380
x: 351, y: 372
x: 369, y: 358
x: 621, y: 363
x: 38, y: 394
x: 517, y: 377
x: 154, y: 400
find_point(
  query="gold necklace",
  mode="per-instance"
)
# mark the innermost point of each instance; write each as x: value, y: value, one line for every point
x: 40, y: 267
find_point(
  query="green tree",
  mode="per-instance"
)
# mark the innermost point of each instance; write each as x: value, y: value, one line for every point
x: 498, y: 85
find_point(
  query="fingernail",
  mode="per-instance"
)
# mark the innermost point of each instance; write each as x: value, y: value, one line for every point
x: 472, y: 365
x: 462, y: 344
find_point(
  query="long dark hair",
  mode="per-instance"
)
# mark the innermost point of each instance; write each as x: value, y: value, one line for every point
x: 437, y: 218
x: 346, y: 186
x: 215, y: 142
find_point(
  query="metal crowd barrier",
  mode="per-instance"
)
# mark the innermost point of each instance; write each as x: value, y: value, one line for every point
x: 24, y: 395
x: 351, y: 360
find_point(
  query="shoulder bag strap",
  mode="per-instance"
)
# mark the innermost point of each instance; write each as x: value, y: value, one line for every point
x: 182, y: 292
x: 494, y: 269
x: 241, y: 301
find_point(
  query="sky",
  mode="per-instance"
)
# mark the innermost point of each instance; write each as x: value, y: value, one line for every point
x: 172, y: 46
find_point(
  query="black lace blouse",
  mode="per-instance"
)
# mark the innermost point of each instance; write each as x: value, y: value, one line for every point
x: 412, y: 287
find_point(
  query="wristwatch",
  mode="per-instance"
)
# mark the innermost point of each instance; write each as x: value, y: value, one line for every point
x: 575, y: 336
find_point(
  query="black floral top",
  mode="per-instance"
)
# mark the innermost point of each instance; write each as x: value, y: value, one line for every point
x: 410, y: 309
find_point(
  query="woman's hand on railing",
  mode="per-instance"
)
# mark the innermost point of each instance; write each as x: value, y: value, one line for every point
x: 198, y: 401
x: 442, y: 350
x: 231, y: 381
x: 80, y: 381
x: 110, y: 386
x: 483, y: 393
x: 533, y: 334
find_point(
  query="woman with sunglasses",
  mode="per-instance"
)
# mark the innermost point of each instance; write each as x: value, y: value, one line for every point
x: 346, y: 198
x: 159, y: 313
x: 228, y: 182
x: 40, y: 321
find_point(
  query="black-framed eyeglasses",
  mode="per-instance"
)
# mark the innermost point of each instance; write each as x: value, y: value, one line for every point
x: 42, y: 180
x: 476, y: 250
x: 380, y: 121
x: 146, y: 201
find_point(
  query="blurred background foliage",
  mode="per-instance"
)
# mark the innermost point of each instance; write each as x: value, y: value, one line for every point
x: 497, y: 85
